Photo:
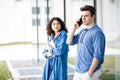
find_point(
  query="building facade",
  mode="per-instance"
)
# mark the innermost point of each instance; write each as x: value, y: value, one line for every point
x: 25, y: 20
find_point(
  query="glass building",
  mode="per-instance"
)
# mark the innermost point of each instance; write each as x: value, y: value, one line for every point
x: 25, y: 20
x: 20, y: 18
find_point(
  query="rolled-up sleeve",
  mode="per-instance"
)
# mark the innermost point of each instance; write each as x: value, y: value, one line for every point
x: 75, y: 39
x: 99, y: 46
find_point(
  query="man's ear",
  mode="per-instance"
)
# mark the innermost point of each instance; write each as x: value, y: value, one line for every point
x: 93, y: 16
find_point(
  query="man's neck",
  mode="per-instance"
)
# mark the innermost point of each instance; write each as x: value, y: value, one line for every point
x: 90, y: 26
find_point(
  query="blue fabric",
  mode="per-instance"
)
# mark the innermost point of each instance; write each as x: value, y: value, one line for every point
x: 91, y: 43
x: 56, y: 67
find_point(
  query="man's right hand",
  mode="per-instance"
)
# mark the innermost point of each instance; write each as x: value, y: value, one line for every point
x: 76, y: 26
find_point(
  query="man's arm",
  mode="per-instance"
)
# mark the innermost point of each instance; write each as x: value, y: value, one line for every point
x: 99, y: 47
x: 71, y: 34
x: 93, y: 66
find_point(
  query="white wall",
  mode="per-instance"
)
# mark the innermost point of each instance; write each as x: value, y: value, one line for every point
x: 15, y: 22
x: 107, y: 18
x: 16, y: 18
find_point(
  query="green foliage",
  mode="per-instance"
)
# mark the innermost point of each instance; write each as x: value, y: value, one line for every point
x: 15, y: 43
x: 4, y: 72
x: 107, y: 76
x: 108, y: 69
x: 109, y: 62
x: 72, y: 60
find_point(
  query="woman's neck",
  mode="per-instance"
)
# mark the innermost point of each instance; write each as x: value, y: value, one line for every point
x: 56, y: 33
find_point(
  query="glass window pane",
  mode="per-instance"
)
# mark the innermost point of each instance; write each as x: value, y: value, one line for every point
x: 47, y: 11
x: 35, y: 10
x: 35, y: 22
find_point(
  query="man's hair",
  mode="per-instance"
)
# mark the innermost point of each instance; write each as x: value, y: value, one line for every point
x: 89, y: 8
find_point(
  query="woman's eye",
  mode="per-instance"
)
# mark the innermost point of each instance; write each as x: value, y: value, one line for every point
x: 53, y: 24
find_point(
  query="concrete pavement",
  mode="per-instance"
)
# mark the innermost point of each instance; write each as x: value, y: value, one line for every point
x: 23, y: 64
x: 23, y: 52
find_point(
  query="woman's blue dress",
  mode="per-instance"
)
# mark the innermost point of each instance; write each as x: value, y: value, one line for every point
x: 56, y: 67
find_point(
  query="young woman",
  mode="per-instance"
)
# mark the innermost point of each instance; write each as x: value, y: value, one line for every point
x: 56, y: 52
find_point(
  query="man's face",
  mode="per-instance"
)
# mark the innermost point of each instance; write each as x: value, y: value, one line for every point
x: 87, y: 19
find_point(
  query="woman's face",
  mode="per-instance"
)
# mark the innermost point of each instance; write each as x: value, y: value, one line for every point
x: 56, y: 26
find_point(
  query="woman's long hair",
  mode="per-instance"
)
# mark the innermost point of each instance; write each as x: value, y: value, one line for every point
x: 49, y: 26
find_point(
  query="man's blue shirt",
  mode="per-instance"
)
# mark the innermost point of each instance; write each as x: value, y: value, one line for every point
x: 91, y: 43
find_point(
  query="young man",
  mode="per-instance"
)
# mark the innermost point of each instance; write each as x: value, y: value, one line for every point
x: 90, y: 46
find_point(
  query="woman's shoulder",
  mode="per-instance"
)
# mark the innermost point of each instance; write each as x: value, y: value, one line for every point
x: 63, y: 32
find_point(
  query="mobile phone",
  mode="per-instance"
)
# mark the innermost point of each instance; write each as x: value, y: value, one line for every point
x: 80, y: 21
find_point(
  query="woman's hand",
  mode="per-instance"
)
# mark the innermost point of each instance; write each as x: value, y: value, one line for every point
x: 48, y: 47
x: 48, y: 55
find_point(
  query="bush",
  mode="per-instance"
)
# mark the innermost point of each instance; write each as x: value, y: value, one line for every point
x: 108, y: 69
x: 4, y: 71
